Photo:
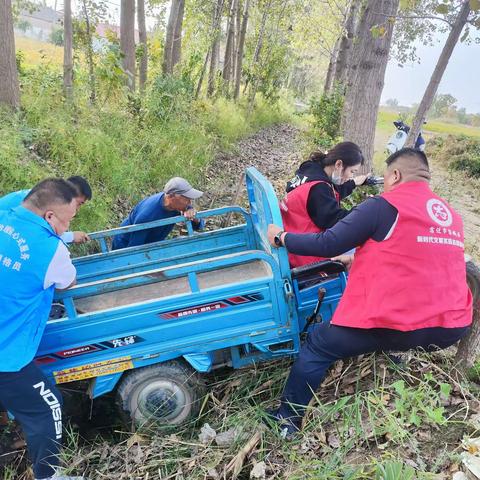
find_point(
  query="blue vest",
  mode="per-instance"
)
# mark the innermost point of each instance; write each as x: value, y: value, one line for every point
x: 27, y: 246
x: 13, y: 199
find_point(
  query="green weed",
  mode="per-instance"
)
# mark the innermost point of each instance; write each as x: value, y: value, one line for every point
x: 126, y: 147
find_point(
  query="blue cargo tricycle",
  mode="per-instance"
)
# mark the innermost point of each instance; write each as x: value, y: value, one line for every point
x: 147, y: 321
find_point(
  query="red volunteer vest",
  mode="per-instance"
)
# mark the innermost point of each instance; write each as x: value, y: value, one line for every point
x: 416, y: 278
x: 295, y: 218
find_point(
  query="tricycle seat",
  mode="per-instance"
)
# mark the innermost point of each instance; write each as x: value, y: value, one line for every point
x: 317, y: 272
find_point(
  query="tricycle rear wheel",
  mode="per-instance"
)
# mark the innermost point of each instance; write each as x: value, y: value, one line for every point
x: 168, y: 393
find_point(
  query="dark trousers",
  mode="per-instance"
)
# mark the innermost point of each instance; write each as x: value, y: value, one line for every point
x: 328, y: 343
x: 37, y: 406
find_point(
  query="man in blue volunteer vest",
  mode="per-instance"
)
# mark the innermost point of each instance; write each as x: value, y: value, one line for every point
x: 176, y: 199
x: 84, y: 193
x: 34, y: 261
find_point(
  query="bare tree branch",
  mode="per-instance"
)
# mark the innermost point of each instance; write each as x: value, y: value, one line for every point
x: 417, y: 17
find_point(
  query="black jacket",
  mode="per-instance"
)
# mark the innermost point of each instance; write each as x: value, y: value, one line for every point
x: 322, y: 206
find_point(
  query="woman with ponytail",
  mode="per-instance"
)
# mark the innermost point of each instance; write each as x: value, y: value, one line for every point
x: 312, y: 203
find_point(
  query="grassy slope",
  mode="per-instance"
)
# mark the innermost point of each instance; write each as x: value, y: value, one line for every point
x: 39, y: 53
x: 126, y: 153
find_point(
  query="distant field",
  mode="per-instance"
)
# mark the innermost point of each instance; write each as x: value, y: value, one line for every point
x: 386, y: 117
x: 37, y: 52
x: 385, y: 129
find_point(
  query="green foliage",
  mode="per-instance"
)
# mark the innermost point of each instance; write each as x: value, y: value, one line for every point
x: 394, y: 470
x: 460, y: 152
x: 271, y: 72
x: 27, y: 5
x: 417, y: 405
x: 109, y: 69
x: 378, y: 31
x: 20, y: 61
x: 327, y: 113
x: 228, y: 121
x: 418, y: 24
x: 359, y: 195
x: 442, y: 8
x: 127, y: 147
x: 169, y: 96
x: 23, y: 25
x: 56, y: 37
x: 441, y: 104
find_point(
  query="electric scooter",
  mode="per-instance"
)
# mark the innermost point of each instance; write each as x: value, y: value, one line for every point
x: 398, y: 139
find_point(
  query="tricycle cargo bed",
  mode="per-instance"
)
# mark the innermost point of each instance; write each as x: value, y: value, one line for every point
x: 208, y: 299
x: 163, y: 286
x: 173, y: 251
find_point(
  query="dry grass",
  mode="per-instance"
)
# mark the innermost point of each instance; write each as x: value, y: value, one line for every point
x: 39, y: 53
x: 368, y: 414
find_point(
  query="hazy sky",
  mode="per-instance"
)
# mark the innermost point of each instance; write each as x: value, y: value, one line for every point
x: 461, y: 78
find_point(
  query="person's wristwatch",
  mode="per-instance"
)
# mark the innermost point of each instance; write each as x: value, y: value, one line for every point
x: 278, y: 238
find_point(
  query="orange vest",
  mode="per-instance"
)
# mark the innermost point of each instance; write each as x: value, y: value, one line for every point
x: 416, y: 278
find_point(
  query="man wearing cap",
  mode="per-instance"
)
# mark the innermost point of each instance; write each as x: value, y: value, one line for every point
x: 176, y: 199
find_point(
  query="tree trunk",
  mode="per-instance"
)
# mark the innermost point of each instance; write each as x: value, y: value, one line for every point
x: 227, y: 62
x: 167, y: 68
x: 202, y: 74
x: 127, y: 40
x: 363, y: 95
x: 258, y: 48
x: 345, y: 47
x: 236, y: 40
x: 142, y: 36
x: 9, y: 87
x: 215, y: 47
x: 469, y: 346
x: 67, y: 49
x: 91, y: 70
x: 241, y: 46
x: 331, y: 68
x: 177, y: 35
x: 437, y: 75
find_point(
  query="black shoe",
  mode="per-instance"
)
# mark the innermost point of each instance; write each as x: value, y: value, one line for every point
x: 288, y: 427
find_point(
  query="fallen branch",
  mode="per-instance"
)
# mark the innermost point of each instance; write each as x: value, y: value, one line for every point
x: 236, y: 464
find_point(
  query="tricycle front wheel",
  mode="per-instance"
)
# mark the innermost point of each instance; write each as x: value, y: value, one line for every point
x: 168, y: 393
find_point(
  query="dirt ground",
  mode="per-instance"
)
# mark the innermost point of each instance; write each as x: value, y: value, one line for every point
x: 275, y: 151
x: 463, y: 193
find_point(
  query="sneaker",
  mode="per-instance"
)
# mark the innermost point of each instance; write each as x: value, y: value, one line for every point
x: 287, y: 427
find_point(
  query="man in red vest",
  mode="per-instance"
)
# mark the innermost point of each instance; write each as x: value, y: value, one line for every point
x: 407, y: 284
